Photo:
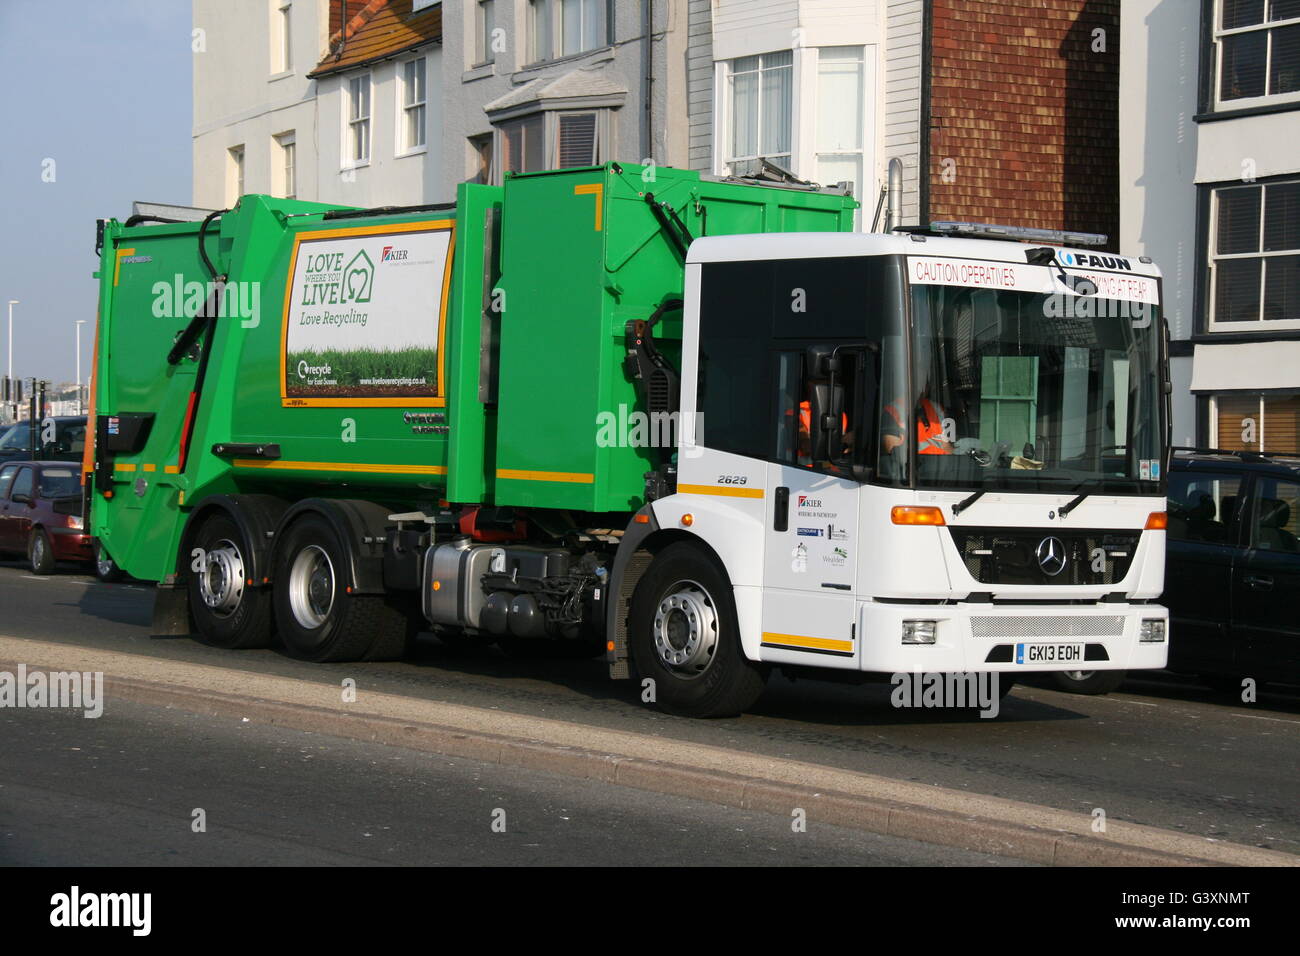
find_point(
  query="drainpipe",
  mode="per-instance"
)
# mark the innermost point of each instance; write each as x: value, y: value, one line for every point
x: 647, y: 119
x: 894, y: 217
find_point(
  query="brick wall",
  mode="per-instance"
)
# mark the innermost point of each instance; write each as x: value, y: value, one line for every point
x: 1028, y: 113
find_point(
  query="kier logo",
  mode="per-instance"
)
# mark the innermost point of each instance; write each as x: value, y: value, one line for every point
x: 393, y: 255
x: 806, y: 502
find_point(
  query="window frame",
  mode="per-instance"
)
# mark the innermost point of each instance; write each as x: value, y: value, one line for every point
x: 1213, y: 257
x: 484, y: 55
x: 348, y: 159
x: 403, y: 146
x: 1217, y: 35
x: 287, y: 144
x: 554, y: 12
x: 726, y: 162
x: 236, y: 159
x: 550, y: 131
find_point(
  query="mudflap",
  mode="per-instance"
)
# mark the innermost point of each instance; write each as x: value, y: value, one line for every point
x: 171, y: 612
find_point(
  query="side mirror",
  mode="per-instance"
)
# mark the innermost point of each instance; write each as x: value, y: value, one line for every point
x: 21, y: 499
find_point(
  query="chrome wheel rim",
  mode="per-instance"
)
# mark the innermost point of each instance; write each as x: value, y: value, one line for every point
x: 103, y: 563
x: 685, y: 630
x: 221, y: 582
x: 1079, y: 675
x: 311, y: 587
x: 38, y: 550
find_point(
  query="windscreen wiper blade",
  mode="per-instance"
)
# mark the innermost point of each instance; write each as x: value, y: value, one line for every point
x: 966, y: 502
x: 1069, y: 506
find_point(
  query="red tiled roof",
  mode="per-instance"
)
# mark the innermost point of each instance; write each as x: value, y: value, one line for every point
x: 378, y: 30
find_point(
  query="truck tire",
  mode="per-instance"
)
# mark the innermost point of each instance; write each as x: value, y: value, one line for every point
x: 228, y: 613
x: 684, y: 635
x: 1088, y: 682
x: 317, y: 619
x: 40, y: 553
x: 106, y: 569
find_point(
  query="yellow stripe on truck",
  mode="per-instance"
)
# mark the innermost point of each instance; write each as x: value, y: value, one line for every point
x: 725, y: 491
x: 572, y: 477
x: 281, y: 464
x: 815, y: 643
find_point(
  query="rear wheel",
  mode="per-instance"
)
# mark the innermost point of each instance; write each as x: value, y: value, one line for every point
x: 228, y: 611
x: 1089, y: 682
x: 685, y: 636
x: 318, y: 619
x: 40, y: 553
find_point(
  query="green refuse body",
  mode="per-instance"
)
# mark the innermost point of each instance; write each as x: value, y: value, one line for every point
x: 470, y: 354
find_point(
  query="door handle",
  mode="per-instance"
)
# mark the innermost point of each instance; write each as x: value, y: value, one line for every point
x: 781, y: 510
x: 1260, y: 582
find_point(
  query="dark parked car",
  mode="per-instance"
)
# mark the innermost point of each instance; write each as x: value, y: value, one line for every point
x: 40, y: 513
x: 1232, y: 570
x: 68, y: 444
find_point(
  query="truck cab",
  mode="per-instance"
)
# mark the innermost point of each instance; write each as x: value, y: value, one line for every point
x: 920, y: 452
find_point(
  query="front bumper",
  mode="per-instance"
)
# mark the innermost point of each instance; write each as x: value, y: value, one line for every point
x: 989, y: 637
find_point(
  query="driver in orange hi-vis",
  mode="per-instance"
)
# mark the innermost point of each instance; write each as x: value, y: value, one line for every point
x: 929, y: 428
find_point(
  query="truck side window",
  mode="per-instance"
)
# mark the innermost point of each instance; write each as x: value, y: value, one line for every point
x: 735, y: 333
x: 1201, y: 506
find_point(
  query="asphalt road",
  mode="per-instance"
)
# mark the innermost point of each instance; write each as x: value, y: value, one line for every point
x: 124, y: 789
x: 1164, y: 752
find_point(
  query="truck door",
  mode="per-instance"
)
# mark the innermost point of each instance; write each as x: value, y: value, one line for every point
x: 1266, y: 584
x: 811, y: 537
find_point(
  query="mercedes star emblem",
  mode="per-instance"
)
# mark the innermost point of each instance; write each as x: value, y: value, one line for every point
x: 1051, y: 556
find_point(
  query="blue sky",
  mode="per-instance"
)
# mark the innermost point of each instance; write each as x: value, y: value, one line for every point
x: 104, y: 90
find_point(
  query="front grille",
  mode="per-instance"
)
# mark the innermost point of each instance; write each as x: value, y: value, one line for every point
x: 1010, y: 555
x: 1048, y: 625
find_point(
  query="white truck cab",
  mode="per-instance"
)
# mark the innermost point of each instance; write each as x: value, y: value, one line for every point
x: 919, y: 453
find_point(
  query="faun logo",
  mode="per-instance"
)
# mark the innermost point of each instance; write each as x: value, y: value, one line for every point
x: 393, y: 255
x: 358, y: 278
x: 1096, y: 262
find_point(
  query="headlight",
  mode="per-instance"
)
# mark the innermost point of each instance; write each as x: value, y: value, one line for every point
x: 919, y: 632
x: 74, y: 522
x: 1152, y: 631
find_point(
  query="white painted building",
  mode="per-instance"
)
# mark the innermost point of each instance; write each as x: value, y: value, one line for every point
x: 392, y: 102
x: 1210, y: 189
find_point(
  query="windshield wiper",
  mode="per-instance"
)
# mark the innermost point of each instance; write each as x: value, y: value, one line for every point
x: 966, y: 502
x: 1069, y: 506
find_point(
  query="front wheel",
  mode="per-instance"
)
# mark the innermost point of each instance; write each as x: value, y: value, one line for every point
x: 1089, y: 682
x: 40, y: 554
x: 317, y: 616
x: 685, y: 637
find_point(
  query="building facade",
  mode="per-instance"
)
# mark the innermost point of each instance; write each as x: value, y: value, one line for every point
x: 397, y: 101
x: 1211, y: 183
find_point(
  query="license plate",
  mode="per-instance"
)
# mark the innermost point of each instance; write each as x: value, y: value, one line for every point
x: 1049, y: 653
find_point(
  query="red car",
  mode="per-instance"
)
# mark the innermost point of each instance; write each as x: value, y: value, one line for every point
x: 40, y: 513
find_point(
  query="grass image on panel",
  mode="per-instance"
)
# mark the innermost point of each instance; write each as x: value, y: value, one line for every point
x: 359, y: 373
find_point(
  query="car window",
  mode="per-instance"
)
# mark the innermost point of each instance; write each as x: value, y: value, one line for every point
x: 59, y: 482
x: 23, y: 483
x: 7, y: 479
x: 1202, y: 505
x: 1276, y: 523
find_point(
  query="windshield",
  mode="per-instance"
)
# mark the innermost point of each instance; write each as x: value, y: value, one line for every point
x: 1027, y: 391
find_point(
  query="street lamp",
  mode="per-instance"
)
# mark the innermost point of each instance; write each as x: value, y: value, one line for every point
x: 80, y: 407
x: 12, y: 303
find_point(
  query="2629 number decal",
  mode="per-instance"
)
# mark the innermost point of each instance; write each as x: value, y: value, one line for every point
x: 733, y: 479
